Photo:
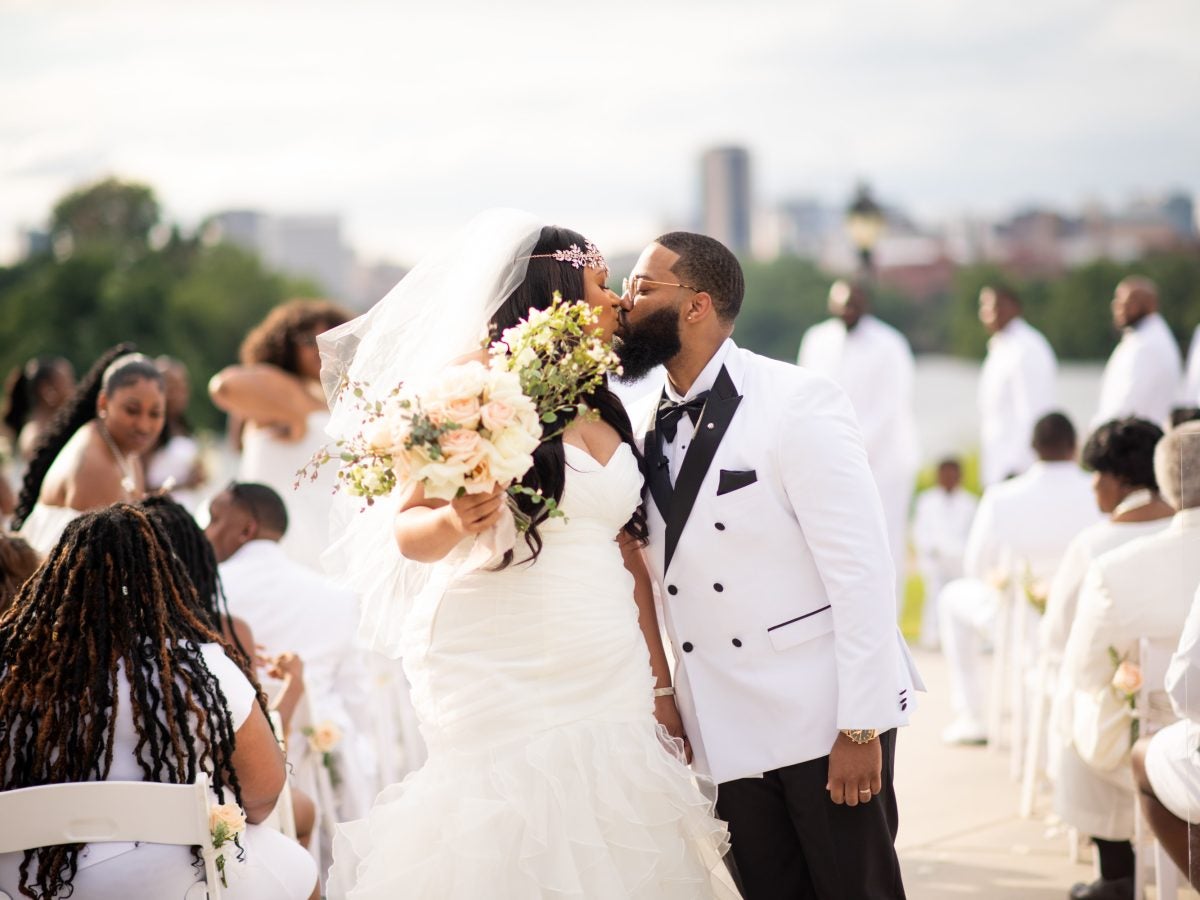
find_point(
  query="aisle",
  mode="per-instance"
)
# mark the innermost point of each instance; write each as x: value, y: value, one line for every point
x: 960, y: 835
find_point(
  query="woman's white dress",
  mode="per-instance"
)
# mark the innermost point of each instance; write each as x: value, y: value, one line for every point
x: 547, y: 773
x: 270, y: 460
x: 272, y: 867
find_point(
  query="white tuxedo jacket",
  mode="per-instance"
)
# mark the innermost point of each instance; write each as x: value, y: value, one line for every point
x: 771, y: 560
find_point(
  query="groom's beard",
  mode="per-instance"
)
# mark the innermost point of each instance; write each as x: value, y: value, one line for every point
x: 650, y: 343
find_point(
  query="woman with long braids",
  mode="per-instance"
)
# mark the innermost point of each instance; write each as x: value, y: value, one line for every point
x: 108, y: 673
x: 34, y: 393
x: 540, y: 680
x: 90, y: 456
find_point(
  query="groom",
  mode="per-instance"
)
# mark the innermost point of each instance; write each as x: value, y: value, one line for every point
x: 770, y: 553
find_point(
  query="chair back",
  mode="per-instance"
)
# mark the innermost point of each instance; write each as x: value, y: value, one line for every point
x: 104, y: 811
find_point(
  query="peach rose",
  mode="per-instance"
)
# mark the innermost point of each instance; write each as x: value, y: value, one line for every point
x: 325, y: 737
x: 1128, y: 678
x: 228, y: 814
x: 463, y: 411
x: 460, y: 442
x: 498, y: 415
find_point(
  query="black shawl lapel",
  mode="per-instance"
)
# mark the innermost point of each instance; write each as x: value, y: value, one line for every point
x: 710, y: 429
x: 658, y: 474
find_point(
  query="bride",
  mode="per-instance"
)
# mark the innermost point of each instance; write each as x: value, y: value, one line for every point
x: 540, y: 680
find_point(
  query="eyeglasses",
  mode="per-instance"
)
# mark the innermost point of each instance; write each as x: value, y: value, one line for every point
x: 633, y: 286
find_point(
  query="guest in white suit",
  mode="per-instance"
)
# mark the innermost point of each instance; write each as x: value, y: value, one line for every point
x: 873, y: 364
x: 293, y: 609
x: 1142, y: 376
x: 1143, y: 589
x: 1021, y: 531
x: 769, y: 547
x: 941, y: 524
x: 1166, y: 767
x: 1016, y: 385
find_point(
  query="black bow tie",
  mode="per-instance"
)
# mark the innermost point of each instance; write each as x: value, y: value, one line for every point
x: 670, y: 412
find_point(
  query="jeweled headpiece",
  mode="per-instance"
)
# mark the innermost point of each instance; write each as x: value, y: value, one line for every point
x: 589, y: 257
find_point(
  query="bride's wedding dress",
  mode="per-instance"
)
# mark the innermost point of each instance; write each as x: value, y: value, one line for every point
x: 547, y: 773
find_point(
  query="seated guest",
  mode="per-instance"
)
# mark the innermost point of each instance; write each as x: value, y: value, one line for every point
x: 1166, y: 767
x: 1120, y: 456
x: 17, y: 562
x: 34, y: 395
x: 1142, y: 589
x: 76, y: 672
x: 90, y: 456
x: 940, y: 526
x: 293, y: 609
x: 1021, y: 531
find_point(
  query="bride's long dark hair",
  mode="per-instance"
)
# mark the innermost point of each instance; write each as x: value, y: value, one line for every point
x: 544, y: 277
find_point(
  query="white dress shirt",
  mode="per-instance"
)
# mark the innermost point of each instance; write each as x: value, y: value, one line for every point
x: 941, y: 524
x: 874, y: 365
x: 1191, y: 381
x: 1172, y: 761
x: 675, y: 450
x: 1142, y: 376
x: 1016, y: 388
x: 1027, y: 522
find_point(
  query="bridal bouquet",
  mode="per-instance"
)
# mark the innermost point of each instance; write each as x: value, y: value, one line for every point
x: 474, y: 427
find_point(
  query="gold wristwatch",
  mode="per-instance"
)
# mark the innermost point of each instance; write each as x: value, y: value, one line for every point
x: 861, y: 735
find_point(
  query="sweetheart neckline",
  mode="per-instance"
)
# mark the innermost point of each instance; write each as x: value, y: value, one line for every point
x: 603, y: 465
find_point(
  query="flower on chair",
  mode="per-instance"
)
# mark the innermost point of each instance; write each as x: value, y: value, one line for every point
x: 1126, y: 682
x: 322, y: 739
x: 227, y: 823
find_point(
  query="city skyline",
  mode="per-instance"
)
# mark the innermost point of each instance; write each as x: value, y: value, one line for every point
x: 407, y: 124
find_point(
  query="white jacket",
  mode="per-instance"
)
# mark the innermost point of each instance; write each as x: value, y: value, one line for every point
x: 774, y: 572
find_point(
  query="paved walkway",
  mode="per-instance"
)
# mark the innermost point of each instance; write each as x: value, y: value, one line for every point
x: 960, y: 834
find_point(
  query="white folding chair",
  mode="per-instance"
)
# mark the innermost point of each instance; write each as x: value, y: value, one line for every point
x: 283, y: 816
x: 1001, y: 675
x: 93, y: 812
x: 1155, y: 657
x: 1042, y: 695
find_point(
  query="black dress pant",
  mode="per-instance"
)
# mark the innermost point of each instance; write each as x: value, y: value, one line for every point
x: 791, y: 842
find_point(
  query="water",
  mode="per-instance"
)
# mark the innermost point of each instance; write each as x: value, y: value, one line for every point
x: 947, y: 413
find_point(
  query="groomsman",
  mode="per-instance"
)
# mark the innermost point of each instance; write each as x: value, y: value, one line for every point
x: 942, y: 520
x: 873, y: 364
x: 769, y: 550
x: 1142, y: 376
x: 1016, y: 384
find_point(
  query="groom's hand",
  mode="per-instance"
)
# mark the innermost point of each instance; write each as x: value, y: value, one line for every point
x: 854, y: 770
x: 476, y: 513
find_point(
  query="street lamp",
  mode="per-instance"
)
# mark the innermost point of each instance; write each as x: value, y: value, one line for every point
x: 865, y: 223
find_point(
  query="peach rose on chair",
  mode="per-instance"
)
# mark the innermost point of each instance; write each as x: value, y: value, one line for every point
x: 325, y: 737
x: 1128, y: 678
x: 228, y: 814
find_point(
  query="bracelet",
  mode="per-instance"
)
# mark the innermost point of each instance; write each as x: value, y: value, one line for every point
x: 664, y: 692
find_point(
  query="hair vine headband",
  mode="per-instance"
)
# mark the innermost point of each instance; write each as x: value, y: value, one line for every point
x: 588, y: 257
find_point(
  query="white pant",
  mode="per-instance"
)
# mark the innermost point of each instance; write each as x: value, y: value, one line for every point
x: 966, y: 615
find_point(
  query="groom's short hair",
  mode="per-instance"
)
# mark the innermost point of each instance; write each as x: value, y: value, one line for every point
x: 709, y: 266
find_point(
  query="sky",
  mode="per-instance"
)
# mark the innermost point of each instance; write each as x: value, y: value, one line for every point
x: 407, y: 118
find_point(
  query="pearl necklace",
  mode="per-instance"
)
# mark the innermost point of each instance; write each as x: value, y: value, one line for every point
x: 1134, y: 500
x: 128, y: 483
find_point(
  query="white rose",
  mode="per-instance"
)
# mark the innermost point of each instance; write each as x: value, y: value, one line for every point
x: 513, y: 441
x: 1128, y: 678
x: 505, y: 387
x: 526, y: 358
x: 442, y: 478
x: 460, y: 382
x: 228, y: 814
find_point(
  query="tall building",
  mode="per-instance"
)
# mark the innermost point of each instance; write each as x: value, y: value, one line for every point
x: 308, y: 246
x: 725, y: 203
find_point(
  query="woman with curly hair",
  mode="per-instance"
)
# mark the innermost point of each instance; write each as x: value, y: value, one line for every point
x: 17, y: 562
x: 276, y: 392
x: 91, y: 454
x: 33, y: 394
x: 109, y: 674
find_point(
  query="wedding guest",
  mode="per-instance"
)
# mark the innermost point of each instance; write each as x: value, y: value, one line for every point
x: 34, y: 394
x: 941, y: 523
x: 1181, y: 414
x: 1016, y: 384
x: 1020, y: 533
x: 873, y: 363
x: 91, y: 455
x: 1120, y: 456
x: 276, y: 392
x: 293, y: 609
x: 1190, y: 394
x: 17, y: 562
x: 1166, y: 767
x: 175, y: 463
x: 76, y: 672
x: 1142, y: 589
x: 1143, y: 374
